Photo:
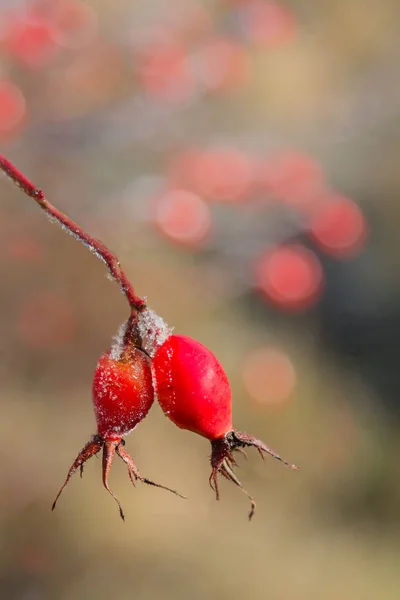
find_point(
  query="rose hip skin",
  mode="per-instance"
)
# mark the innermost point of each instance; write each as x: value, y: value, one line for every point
x: 194, y: 392
x: 192, y: 387
x: 123, y: 394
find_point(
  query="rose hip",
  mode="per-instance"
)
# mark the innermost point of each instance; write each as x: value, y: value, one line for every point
x: 194, y: 392
x: 122, y: 396
x: 122, y: 393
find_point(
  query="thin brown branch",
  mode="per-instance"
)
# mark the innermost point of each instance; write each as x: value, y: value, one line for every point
x: 96, y: 246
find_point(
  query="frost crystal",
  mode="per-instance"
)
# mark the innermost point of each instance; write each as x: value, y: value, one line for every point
x: 153, y: 330
x: 118, y: 345
x: 75, y: 234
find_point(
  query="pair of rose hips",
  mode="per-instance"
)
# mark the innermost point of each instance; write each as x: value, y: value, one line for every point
x: 193, y: 391
x: 146, y: 359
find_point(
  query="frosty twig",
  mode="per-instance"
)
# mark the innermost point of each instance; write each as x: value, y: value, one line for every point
x: 136, y: 303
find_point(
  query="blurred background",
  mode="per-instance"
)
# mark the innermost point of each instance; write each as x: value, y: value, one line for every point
x: 241, y: 158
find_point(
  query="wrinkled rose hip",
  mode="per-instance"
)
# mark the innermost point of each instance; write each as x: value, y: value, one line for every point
x: 122, y: 396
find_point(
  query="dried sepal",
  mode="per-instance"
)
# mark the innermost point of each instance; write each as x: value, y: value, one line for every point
x: 223, y: 460
x: 110, y: 448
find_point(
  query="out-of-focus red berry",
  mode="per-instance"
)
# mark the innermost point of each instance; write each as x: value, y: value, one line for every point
x: 268, y: 24
x: 223, y: 175
x: 223, y: 64
x: 218, y: 174
x: 12, y: 107
x: 164, y: 70
x: 269, y: 376
x: 75, y: 24
x: 290, y: 276
x: 339, y: 227
x: 182, y: 217
x: 292, y: 177
x: 30, y: 40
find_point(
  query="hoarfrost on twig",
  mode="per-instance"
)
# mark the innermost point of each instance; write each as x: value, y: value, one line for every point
x: 153, y: 330
x: 54, y: 219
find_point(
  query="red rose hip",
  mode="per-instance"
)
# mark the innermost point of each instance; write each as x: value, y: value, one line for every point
x: 123, y: 394
x: 192, y: 387
x: 194, y: 392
